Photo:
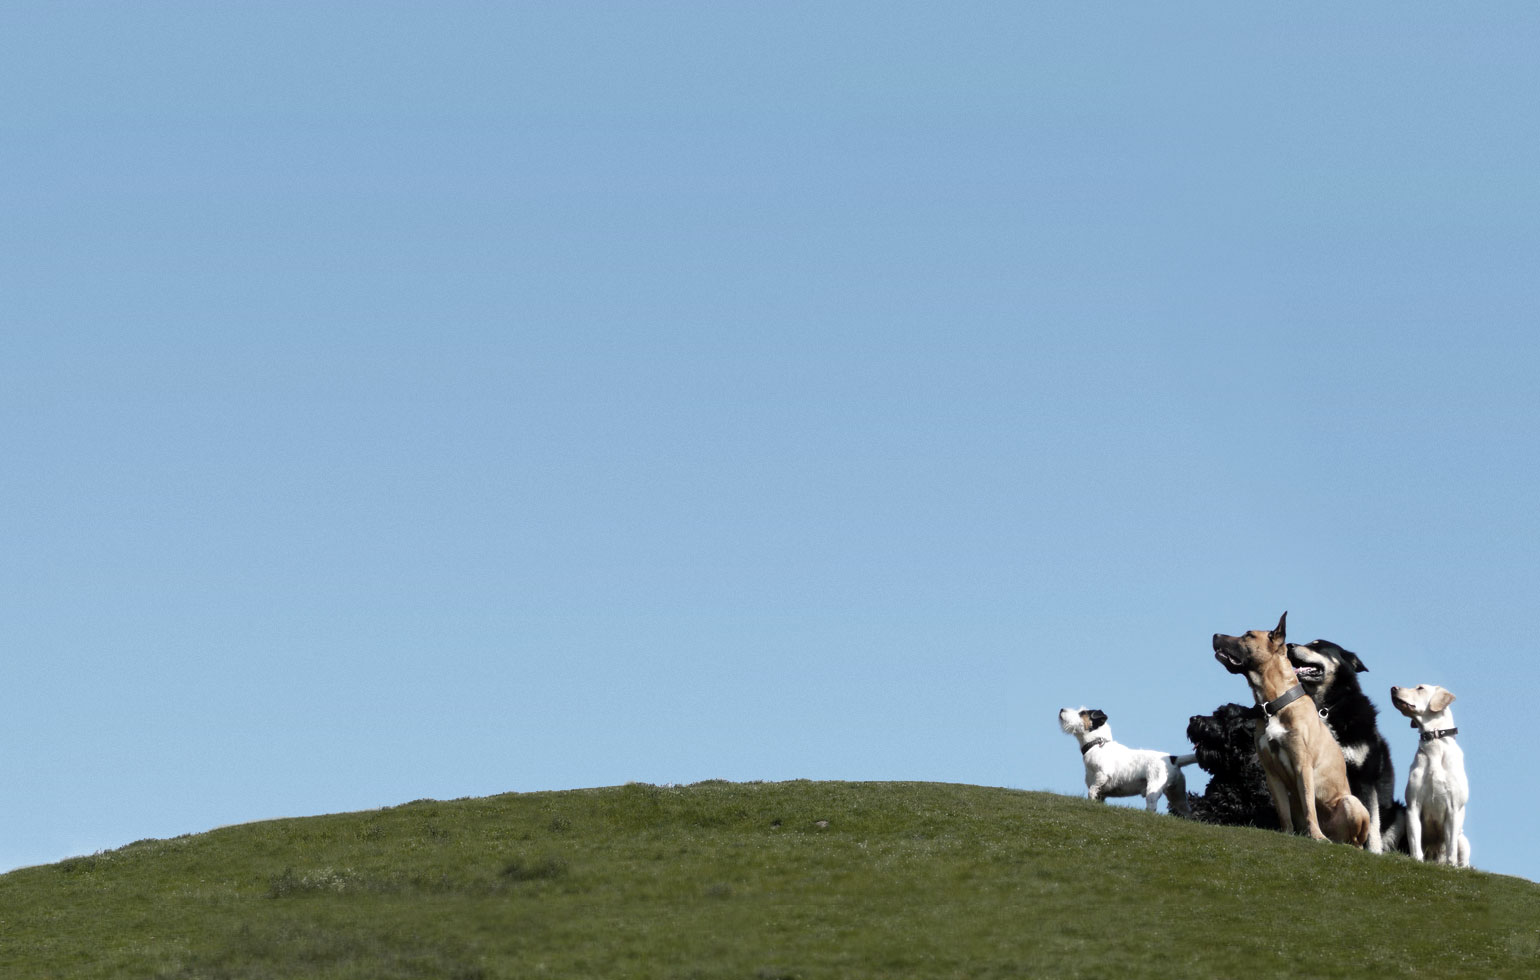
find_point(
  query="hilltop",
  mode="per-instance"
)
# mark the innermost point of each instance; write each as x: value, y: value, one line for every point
x: 757, y: 880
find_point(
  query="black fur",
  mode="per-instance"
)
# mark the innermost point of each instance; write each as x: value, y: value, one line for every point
x: 1225, y: 743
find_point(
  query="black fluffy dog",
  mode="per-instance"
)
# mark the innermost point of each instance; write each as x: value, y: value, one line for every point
x: 1226, y: 745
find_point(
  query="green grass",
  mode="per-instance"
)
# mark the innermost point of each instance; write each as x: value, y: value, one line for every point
x: 742, y: 880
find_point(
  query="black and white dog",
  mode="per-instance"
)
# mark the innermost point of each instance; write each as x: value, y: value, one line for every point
x: 1114, y: 769
x: 1329, y: 675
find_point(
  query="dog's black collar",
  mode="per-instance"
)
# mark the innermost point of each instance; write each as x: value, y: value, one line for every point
x: 1092, y: 744
x: 1268, y: 709
x: 1440, y: 733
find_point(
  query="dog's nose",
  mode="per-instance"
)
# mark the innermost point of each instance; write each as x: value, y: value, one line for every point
x: 1216, y: 641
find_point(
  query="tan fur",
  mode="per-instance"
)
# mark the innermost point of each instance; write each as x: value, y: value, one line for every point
x: 1306, y: 773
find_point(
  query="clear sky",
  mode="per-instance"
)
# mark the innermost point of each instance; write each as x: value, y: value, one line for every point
x: 433, y: 400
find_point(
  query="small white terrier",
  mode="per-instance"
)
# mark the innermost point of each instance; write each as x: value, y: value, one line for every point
x: 1113, y: 769
x: 1436, y: 787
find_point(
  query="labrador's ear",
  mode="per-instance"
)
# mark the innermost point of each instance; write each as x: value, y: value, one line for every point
x: 1441, y: 699
x: 1278, y: 635
x: 1098, y: 718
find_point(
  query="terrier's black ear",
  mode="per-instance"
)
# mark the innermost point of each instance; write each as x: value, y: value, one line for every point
x: 1098, y: 718
x: 1278, y: 634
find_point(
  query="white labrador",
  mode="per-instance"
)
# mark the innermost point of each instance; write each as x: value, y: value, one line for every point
x: 1436, y: 787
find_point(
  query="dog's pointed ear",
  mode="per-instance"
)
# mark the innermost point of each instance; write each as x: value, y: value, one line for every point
x: 1441, y: 700
x: 1098, y: 718
x: 1355, y: 663
x: 1278, y: 635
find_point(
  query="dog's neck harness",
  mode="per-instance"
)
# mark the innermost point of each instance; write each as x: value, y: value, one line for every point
x: 1268, y: 709
x: 1092, y: 744
x: 1437, y: 733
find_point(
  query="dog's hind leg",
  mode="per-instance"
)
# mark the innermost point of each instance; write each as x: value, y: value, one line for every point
x: 1372, y: 804
x: 1176, y: 795
x: 1345, y: 822
x: 1350, y: 822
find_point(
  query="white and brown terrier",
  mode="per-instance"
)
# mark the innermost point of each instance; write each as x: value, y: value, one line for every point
x: 1114, y: 769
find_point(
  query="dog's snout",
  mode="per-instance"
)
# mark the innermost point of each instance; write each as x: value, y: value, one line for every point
x: 1216, y: 641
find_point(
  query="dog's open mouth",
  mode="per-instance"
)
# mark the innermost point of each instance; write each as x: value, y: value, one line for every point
x: 1308, y: 672
x: 1231, y: 662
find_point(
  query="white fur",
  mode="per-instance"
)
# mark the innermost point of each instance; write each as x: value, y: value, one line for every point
x: 1274, y: 730
x: 1114, y: 769
x: 1355, y: 755
x: 1436, y: 788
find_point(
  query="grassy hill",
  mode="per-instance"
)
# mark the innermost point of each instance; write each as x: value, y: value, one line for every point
x: 762, y: 881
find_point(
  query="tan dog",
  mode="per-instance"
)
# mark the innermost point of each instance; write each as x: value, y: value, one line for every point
x: 1306, y: 774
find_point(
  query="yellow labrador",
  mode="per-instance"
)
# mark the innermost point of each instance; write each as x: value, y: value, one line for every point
x: 1436, y: 788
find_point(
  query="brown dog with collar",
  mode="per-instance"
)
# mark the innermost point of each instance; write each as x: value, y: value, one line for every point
x: 1306, y: 773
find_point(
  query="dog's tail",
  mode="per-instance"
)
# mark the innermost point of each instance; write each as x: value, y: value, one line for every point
x: 1183, y: 760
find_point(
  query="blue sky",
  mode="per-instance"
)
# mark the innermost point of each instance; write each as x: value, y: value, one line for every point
x: 411, y: 400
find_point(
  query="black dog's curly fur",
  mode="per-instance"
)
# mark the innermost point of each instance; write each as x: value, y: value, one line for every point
x: 1225, y: 742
